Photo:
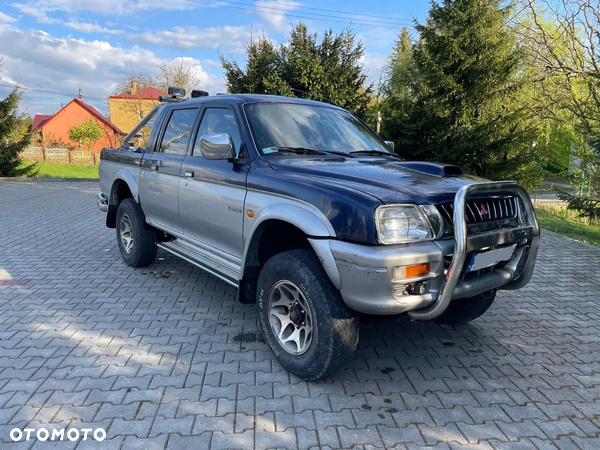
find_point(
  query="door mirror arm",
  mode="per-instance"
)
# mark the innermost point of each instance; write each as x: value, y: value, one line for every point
x: 241, y: 156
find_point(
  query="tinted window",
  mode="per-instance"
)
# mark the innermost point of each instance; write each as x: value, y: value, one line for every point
x: 177, y: 134
x: 218, y: 120
x: 315, y: 127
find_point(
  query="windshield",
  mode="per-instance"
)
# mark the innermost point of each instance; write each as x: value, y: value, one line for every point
x: 287, y: 125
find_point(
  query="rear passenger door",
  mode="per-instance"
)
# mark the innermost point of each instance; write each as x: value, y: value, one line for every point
x: 159, y: 177
x: 212, y: 193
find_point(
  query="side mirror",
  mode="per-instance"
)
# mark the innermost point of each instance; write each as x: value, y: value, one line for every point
x: 217, y: 146
x: 390, y: 144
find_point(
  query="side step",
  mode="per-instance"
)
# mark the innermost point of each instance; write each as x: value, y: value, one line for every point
x: 204, y: 260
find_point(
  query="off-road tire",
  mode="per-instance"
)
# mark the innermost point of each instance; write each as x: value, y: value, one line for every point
x: 144, y: 248
x: 466, y: 309
x: 335, y: 326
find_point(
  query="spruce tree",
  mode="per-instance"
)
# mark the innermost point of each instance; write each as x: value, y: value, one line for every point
x: 455, y: 98
x: 402, y: 102
x: 470, y: 63
x: 10, y: 148
x: 328, y: 69
x: 399, y: 68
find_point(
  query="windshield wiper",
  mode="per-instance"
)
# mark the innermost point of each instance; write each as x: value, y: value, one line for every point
x: 310, y: 151
x: 376, y: 152
x: 299, y: 150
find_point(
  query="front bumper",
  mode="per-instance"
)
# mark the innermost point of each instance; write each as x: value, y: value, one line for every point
x: 365, y: 272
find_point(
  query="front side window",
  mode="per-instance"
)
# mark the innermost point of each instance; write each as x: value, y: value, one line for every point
x: 218, y: 120
x: 292, y: 125
x: 177, y: 134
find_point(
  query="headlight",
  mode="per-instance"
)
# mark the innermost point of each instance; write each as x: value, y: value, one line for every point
x: 398, y: 224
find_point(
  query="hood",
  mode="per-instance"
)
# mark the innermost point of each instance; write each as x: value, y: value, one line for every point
x: 391, y: 181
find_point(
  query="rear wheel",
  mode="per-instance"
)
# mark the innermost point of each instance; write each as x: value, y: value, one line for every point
x: 302, y: 315
x: 137, y: 239
x: 466, y: 309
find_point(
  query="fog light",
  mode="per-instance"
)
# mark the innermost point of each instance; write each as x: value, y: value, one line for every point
x: 411, y: 271
x: 418, y: 288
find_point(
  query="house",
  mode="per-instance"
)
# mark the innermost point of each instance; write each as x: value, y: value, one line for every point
x: 126, y: 110
x: 55, y: 128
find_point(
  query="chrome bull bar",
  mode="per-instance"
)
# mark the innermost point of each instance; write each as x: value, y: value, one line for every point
x: 462, y: 248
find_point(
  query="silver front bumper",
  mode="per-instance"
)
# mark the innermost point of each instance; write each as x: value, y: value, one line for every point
x: 365, y: 272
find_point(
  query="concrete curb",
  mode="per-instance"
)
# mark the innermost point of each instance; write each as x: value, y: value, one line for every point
x: 85, y: 180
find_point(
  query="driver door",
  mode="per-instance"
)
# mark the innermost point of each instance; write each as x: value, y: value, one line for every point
x: 212, y: 192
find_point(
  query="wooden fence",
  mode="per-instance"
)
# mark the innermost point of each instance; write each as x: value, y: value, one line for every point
x: 60, y: 155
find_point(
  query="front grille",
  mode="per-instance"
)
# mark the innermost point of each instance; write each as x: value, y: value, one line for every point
x: 484, y: 214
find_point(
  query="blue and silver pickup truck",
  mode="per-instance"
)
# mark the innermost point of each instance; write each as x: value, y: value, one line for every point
x: 314, y: 218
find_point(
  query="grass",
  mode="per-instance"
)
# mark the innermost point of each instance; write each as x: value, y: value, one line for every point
x: 52, y: 170
x: 562, y: 221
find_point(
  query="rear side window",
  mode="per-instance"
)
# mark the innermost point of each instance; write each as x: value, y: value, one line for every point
x: 177, y: 134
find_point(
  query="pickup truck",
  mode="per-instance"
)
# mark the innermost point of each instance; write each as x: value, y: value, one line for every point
x: 314, y: 218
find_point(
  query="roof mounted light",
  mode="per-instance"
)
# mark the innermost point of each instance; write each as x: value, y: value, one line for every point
x: 176, y: 92
x: 198, y: 93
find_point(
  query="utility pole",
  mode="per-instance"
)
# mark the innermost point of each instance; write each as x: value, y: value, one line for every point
x: 251, y: 61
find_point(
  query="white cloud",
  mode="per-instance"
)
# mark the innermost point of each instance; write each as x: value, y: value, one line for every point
x: 38, y: 14
x: 5, y: 18
x: 373, y: 64
x: 210, y: 83
x: 39, y: 9
x: 83, y: 27
x: 228, y: 38
x: 273, y: 12
x: 38, y: 60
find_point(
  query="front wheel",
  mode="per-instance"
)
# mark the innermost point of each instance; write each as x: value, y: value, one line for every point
x: 302, y: 315
x: 137, y: 239
x: 466, y: 309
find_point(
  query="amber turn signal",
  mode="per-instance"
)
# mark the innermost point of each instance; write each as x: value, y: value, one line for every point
x: 411, y: 271
x: 250, y: 213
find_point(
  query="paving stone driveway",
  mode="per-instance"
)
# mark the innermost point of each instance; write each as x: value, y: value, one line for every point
x: 164, y: 357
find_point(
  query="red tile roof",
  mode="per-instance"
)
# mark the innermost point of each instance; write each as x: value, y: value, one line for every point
x: 147, y: 93
x: 39, y: 120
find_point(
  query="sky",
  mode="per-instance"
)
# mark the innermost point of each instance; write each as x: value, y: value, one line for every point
x: 56, y: 47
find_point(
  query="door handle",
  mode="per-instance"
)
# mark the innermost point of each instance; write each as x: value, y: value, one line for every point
x: 189, y: 174
x: 154, y: 167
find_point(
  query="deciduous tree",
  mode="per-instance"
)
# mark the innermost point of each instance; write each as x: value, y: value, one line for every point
x: 178, y: 73
x: 87, y: 133
x: 562, y: 44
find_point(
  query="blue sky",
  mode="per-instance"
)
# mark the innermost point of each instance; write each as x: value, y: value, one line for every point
x: 60, y: 46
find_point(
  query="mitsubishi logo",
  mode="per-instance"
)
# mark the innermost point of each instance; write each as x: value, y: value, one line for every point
x: 484, y: 211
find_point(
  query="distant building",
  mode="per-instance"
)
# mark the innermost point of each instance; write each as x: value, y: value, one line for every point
x: 126, y: 110
x: 55, y: 128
